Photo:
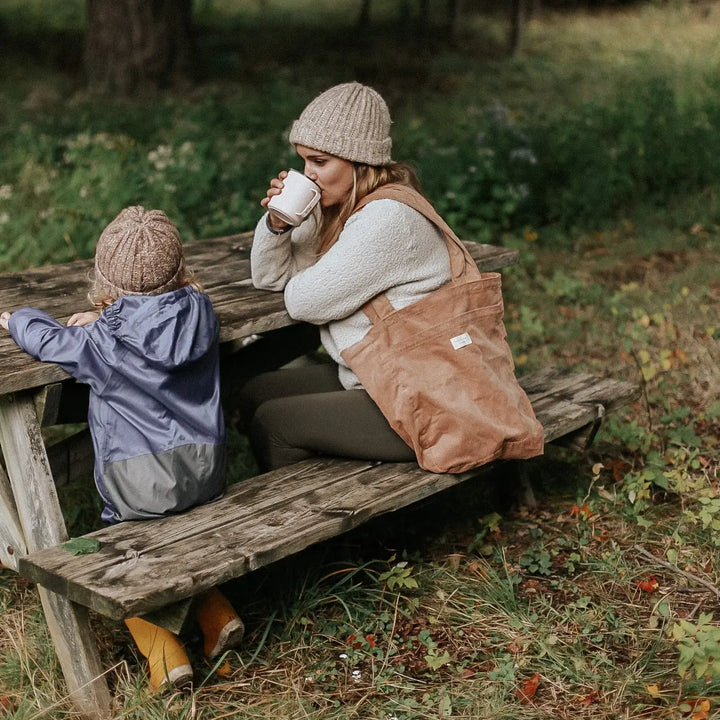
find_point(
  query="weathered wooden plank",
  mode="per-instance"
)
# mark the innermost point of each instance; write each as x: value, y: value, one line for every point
x: 142, y: 566
x: 42, y: 525
x: 572, y: 404
x: 222, y: 266
x: 168, y: 561
x: 581, y: 387
x: 47, y: 402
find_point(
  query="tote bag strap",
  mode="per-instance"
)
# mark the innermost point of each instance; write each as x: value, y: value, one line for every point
x: 461, y: 262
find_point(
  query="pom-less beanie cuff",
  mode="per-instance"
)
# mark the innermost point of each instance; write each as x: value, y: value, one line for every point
x: 116, y: 291
x: 350, y: 121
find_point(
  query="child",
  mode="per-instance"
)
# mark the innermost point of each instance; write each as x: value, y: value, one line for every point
x: 150, y: 358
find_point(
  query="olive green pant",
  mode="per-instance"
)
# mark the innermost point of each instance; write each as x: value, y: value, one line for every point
x: 296, y: 413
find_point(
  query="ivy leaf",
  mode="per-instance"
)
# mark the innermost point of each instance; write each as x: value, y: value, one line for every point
x: 81, y: 546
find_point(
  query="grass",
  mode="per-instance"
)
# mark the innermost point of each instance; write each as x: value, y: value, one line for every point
x: 452, y: 608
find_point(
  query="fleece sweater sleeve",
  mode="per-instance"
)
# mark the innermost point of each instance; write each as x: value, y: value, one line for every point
x: 72, y: 348
x: 385, y: 245
x: 274, y: 259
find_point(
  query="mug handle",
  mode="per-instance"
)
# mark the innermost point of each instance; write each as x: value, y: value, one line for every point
x: 308, y: 207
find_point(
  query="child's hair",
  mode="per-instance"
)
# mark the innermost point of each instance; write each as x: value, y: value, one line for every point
x: 366, y: 178
x: 100, y: 299
x: 138, y: 253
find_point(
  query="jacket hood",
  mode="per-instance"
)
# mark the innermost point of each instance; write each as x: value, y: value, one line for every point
x: 169, y: 330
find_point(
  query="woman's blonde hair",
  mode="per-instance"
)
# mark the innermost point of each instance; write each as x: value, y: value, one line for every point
x: 366, y: 179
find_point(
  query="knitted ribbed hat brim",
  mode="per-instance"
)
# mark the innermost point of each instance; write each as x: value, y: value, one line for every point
x: 109, y: 288
x: 350, y: 121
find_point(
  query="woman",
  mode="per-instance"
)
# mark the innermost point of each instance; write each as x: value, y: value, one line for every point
x: 328, y: 268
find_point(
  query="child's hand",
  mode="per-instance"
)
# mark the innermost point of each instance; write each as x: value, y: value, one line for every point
x: 83, y: 318
x: 4, y: 318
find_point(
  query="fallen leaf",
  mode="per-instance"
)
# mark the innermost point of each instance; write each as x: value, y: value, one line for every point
x: 7, y: 707
x: 81, y: 546
x: 602, y: 536
x: 700, y: 710
x: 619, y: 468
x: 649, y: 586
x: 588, y: 699
x: 225, y: 670
x: 527, y: 692
x: 654, y: 691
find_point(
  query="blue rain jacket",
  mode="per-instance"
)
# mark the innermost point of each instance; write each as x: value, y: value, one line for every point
x: 152, y: 364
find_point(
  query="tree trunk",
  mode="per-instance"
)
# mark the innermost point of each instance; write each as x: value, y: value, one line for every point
x: 517, y: 20
x: 454, y: 15
x: 134, y: 45
x: 363, y: 21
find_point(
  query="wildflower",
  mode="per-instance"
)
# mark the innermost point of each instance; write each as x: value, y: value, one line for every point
x: 525, y: 155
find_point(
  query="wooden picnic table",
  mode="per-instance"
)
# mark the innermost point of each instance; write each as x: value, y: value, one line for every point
x: 30, y: 514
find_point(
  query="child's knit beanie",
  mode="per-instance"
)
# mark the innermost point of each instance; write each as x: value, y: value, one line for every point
x: 350, y: 121
x: 139, y: 253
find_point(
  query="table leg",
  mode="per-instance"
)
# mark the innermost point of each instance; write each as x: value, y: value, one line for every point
x: 12, y: 540
x: 38, y: 511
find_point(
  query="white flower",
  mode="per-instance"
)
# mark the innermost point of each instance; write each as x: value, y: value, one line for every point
x: 161, y: 157
x: 523, y: 155
x: 6, y: 192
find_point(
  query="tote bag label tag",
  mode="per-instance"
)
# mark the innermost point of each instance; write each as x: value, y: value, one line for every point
x: 460, y: 341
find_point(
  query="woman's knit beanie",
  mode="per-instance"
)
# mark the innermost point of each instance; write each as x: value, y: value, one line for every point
x: 139, y: 253
x: 350, y: 121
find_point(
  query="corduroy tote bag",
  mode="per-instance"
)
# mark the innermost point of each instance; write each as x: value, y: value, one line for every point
x: 440, y: 370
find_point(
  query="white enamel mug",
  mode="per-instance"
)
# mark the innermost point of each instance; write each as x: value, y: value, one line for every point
x: 298, y: 197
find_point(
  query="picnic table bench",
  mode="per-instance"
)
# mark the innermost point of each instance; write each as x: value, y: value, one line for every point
x: 141, y: 567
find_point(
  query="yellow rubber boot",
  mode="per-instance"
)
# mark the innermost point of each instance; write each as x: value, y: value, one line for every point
x: 167, y: 659
x: 221, y: 627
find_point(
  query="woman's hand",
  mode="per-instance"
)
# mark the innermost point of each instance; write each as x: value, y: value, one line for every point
x: 82, y: 318
x: 4, y: 319
x: 276, y: 186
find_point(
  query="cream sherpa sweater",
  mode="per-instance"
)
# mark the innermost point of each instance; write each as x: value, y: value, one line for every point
x: 385, y: 247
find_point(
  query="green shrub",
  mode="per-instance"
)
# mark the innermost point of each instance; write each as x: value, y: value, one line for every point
x: 645, y: 145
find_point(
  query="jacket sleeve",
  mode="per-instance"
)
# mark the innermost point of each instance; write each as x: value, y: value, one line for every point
x: 72, y: 348
x: 274, y: 259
